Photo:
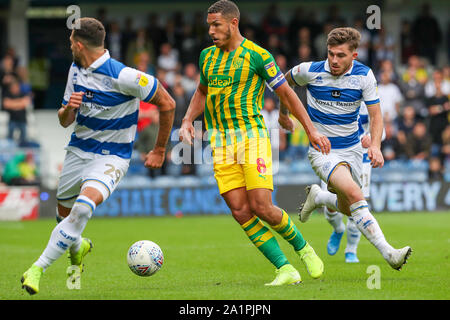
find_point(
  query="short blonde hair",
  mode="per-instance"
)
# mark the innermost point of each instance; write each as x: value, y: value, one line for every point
x: 348, y: 35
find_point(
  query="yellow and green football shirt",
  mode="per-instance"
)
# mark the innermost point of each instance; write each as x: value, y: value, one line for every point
x: 236, y: 83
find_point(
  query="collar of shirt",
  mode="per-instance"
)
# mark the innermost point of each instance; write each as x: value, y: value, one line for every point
x: 97, y: 63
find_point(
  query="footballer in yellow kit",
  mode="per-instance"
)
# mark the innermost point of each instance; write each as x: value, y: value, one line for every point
x: 233, y: 75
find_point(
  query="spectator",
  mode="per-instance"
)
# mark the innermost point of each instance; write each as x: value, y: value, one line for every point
x: 140, y: 44
x: 274, y: 45
x: 388, y: 67
x: 8, y: 72
x: 147, y: 139
x: 439, y: 112
x: 168, y: 60
x: 144, y: 63
x: 418, y: 143
x: 190, y: 79
x: 281, y: 61
x: 304, y: 39
x: 427, y: 34
x: 390, y: 97
x: 412, y: 86
x: 277, y: 135
x: 391, y: 146
x: 438, y: 79
x: 15, y: 103
x: 383, y: 47
x: 303, y: 54
x: 435, y: 169
x: 298, y: 142
x: 406, y: 124
x: 21, y: 170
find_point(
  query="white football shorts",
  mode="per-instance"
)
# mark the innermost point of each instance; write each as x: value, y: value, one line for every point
x: 101, y: 172
x: 324, y: 164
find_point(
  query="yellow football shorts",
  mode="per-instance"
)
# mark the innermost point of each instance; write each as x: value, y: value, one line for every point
x: 244, y: 164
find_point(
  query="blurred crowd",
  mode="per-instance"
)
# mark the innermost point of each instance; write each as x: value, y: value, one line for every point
x: 414, y: 91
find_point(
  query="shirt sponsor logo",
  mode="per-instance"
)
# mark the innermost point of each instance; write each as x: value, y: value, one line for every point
x: 219, y: 81
x: 336, y: 93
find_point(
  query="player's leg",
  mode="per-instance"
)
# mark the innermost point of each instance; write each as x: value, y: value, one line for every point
x: 353, y: 234
x: 260, y: 236
x: 334, y: 218
x: 259, y: 183
x: 260, y: 201
x: 352, y: 203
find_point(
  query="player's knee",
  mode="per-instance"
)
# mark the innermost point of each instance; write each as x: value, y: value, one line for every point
x: 82, y: 209
x: 241, y: 213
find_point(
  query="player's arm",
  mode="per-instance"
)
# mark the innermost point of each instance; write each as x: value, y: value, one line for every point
x: 166, y: 107
x: 195, y: 109
x: 284, y: 111
x: 292, y: 103
x: 376, y: 133
x: 68, y: 112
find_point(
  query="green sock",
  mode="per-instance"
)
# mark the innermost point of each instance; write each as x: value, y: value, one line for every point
x: 289, y: 232
x: 264, y: 240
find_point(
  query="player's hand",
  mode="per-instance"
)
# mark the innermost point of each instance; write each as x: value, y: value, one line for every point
x: 286, y: 122
x: 75, y: 100
x: 187, y: 132
x: 320, y: 142
x: 155, y: 158
x: 376, y: 157
x: 366, y: 141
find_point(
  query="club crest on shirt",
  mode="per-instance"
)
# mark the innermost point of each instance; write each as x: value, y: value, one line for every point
x: 107, y: 82
x: 238, y: 63
x: 353, y: 82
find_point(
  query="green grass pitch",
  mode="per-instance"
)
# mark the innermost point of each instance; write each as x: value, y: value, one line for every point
x: 210, y: 258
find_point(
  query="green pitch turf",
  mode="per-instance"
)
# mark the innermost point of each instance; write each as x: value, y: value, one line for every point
x: 210, y: 258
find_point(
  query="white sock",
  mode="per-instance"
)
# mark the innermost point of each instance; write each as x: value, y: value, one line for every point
x: 353, y: 236
x: 368, y: 225
x: 335, y: 219
x: 67, y: 233
x: 327, y: 199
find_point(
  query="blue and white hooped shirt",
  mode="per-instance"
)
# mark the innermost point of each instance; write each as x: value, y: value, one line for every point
x: 106, y: 121
x: 334, y: 101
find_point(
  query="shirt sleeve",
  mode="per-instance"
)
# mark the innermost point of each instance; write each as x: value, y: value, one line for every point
x: 69, y: 85
x: 201, y: 61
x: 300, y: 73
x: 137, y: 84
x: 370, y: 90
x: 269, y: 70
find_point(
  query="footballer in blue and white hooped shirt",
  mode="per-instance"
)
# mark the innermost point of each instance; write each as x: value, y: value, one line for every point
x: 105, y: 117
x: 102, y: 99
x: 333, y: 104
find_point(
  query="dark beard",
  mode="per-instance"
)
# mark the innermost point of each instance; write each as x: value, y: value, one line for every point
x: 76, y: 60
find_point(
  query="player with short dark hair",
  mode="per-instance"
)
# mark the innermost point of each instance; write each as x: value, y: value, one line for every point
x: 233, y: 73
x: 102, y: 97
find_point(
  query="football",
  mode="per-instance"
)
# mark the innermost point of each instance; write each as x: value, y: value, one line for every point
x: 145, y: 258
